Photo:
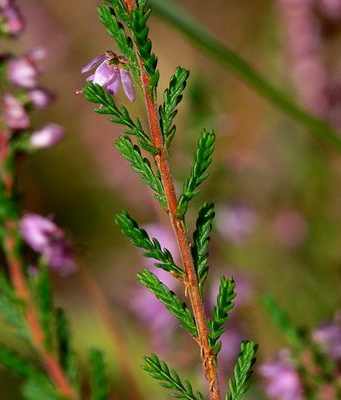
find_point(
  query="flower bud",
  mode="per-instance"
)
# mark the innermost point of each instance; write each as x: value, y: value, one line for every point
x: 48, y: 136
x: 14, y: 114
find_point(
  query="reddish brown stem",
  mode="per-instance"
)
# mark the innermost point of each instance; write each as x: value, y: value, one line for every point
x: 130, y: 4
x: 51, y: 364
x: 191, y: 281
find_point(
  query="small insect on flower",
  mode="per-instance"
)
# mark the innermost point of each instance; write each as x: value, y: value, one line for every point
x: 110, y: 72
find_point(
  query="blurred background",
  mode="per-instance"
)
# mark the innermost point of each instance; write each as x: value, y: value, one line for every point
x: 276, y: 189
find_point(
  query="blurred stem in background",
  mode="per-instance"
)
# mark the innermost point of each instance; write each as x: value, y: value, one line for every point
x: 178, y: 17
x: 117, y: 337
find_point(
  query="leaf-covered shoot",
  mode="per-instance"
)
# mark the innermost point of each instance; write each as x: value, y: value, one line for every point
x: 202, y: 161
x: 239, y: 383
x: 151, y: 246
x: 201, y: 239
x: 170, y: 379
x: 225, y: 303
x: 174, y: 305
x: 171, y: 99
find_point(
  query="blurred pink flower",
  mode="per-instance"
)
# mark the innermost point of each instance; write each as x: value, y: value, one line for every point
x: 40, y: 98
x: 290, y: 228
x: 110, y: 74
x: 14, y: 113
x: 329, y: 337
x: 48, y: 136
x: 305, y: 48
x: 331, y: 8
x: 44, y: 237
x: 24, y: 71
x: 230, y: 349
x: 281, y: 379
x: 11, y: 19
x: 235, y: 223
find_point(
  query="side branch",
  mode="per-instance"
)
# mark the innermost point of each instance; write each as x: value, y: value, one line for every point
x: 18, y: 279
x: 49, y: 361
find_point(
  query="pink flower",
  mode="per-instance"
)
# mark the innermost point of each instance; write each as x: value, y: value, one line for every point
x: 329, y: 337
x: 282, y: 380
x: 290, y: 228
x: 236, y: 223
x: 230, y: 349
x: 40, y: 98
x: 44, y: 237
x: 24, y: 71
x: 110, y: 73
x: 10, y: 16
x: 14, y: 113
x: 46, y: 137
x: 331, y: 9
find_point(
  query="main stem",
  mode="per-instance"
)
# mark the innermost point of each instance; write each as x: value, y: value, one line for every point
x: 17, y: 276
x: 191, y: 281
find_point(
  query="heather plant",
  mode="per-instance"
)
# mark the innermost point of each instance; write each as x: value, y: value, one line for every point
x: 176, y: 276
x: 135, y: 69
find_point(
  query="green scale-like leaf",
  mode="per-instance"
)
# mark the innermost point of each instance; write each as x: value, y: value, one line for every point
x: 151, y: 246
x: 170, y: 379
x: 239, y: 383
x: 171, y: 99
x: 199, y: 173
x: 294, y: 335
x: 142, y: 166
x: 43, y: 298
x: 119, y: 115
x: 67, y: 356
x: 12, y: 309
x: 170, y: 300
x: 139, y: 18
x: 201, y: 238
x: 15, y: 363
x: 225, y: 303
x: 37, y: 386
x: 99, y: 379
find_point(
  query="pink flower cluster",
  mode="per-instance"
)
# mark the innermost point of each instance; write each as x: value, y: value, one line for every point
x: 24, y: 93
x: 281, y: 376
x: 282, y: 379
